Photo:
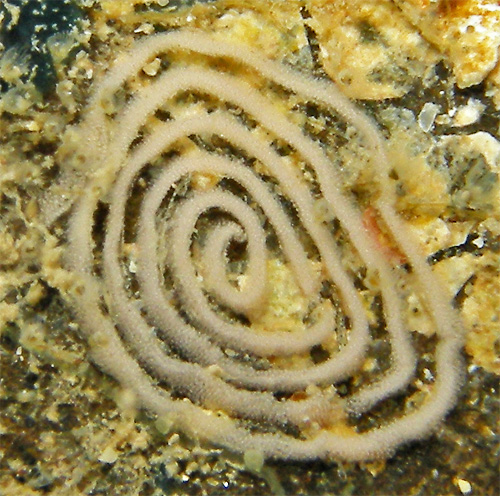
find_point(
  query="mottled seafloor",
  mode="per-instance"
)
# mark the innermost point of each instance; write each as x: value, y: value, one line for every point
x: 66, y: 428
